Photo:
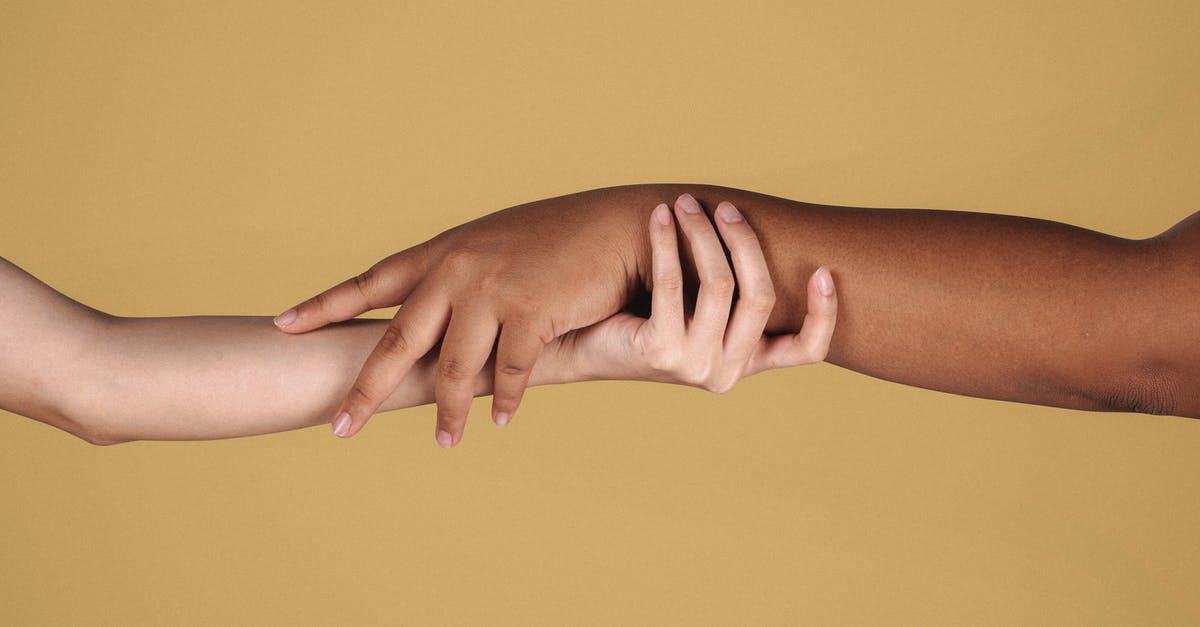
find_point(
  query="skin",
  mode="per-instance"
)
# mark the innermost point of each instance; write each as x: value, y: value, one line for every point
x: 984, y: 305
x: 108, y: 379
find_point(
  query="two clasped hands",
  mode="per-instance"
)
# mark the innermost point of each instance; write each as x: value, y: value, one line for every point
x: 657, y: 282
x: 554, y: 284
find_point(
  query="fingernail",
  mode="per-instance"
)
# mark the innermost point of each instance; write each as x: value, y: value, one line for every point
x: 444, y: 439
x: 824, y: 282
x: 728, y: 212
x: 689, y: 204
x: 341, y: 426
x: 285, y: 318
x: 662, y: 214
x: 502, y: 419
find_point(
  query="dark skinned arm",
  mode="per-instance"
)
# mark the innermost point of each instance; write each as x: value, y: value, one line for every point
x: 993, y: 306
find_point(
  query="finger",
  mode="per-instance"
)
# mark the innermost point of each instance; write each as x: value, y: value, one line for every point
x: 756, y: 293
x: 465, y: 350
x: 666, y: 298
x: 811, y: 344
x: 516, y: 353
x: 384, y: 284
x: 412, y: 333
x: 716, y: 279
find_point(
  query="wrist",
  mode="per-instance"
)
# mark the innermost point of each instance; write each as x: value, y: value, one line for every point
x: 557, y: 363
x: 627, y: 209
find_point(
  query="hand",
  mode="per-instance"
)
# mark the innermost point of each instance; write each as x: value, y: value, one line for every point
x: 513, y: 280
x: 704, y: 351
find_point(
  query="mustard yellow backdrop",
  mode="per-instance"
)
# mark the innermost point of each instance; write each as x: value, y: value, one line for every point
x: 171, y: 158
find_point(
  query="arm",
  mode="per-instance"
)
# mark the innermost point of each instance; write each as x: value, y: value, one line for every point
x: 109, y: 380
x: 994, y: 306
x: 984, y: 305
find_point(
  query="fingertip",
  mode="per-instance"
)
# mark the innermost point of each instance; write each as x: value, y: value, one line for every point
x: 298, y: 319
x: 505, y: 406
x: 824, y: 280
x: 729, y: 213
x: 687, y: 203
x: 342, y: 425
x: 444, y: 439
x: 285, y: 319
x: 662, y: 215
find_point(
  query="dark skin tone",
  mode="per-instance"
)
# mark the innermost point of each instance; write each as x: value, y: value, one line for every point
x: 996, y: 306
x: 110, y: 379
x: 978, y: 304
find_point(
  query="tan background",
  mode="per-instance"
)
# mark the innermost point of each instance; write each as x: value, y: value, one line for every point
x: 159, y: 159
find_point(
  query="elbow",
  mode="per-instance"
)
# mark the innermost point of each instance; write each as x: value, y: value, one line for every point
x: 90, y: 430
x: 96, y: 438
x: 95, y: 434
x: 1157, y: 393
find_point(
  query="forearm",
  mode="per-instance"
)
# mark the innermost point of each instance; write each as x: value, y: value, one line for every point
x: 987, y: 305
x: 210, y: 377
x: 108, y: 379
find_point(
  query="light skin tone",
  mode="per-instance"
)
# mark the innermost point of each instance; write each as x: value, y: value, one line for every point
x: 108, y: 379
x: 985, y: 305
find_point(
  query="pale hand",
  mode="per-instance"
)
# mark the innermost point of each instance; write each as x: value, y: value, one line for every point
x: 712, y: 349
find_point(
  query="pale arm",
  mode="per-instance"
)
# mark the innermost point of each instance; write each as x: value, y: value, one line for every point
x: 108, y: 379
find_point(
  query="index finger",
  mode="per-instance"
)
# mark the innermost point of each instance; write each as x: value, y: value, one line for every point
x: 384, y: 284
x: 412, y: 333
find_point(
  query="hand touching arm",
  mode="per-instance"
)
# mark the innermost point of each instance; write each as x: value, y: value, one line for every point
x: 978, y: 304
x: 514, y: 280
x: 995, y: 306
x: 109, y: 380
x: 713, y: 347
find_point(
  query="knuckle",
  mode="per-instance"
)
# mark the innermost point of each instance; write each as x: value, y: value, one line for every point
x: 459, y: 260
x: 668, y: 281
x: 394, y: 342
x: 698, y: 375
x: 522, y: 306
x: 759, y: 301
x: 452, y: 412
x: 730, y: 380
x: 454, y: 369
x: 359, y: 395
x: 320, y: 302
x: 659, y: 361
x: 490, y: 284
x: 450, y: 422
x: 721, y: 285
x: 364, y: 282
x: 507, y: 401
x: 817, y: 353
x: 738, y: 235
x: 420, y: 255
x: 514, y: 369
x: 719, y: 386
x: 663, y: 357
